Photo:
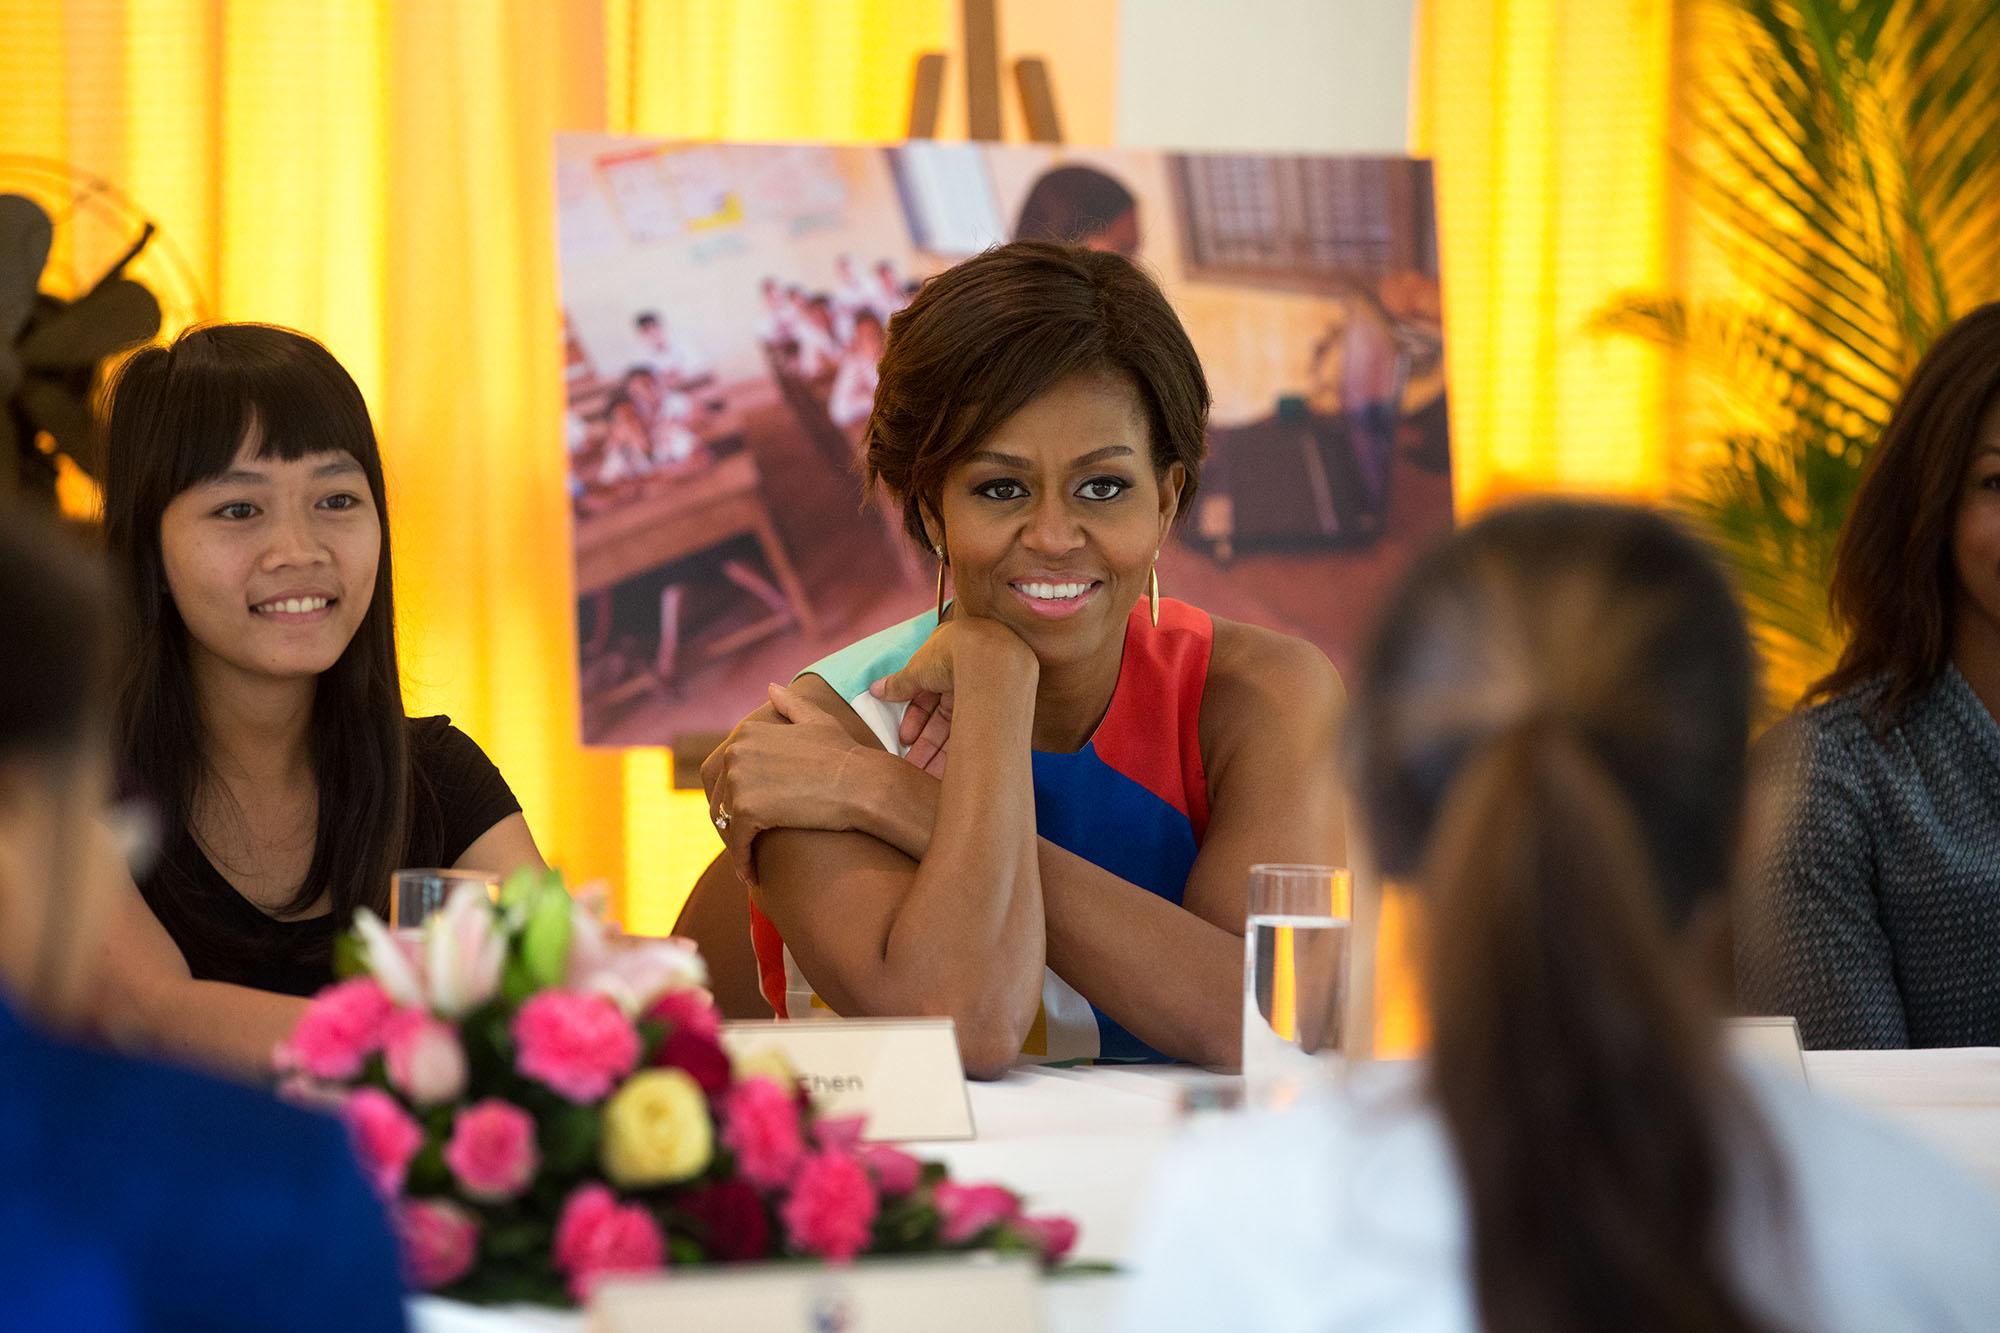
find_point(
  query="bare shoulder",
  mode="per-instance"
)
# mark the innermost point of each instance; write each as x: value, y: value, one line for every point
x: 824, y: 697
x: 1253, y: 671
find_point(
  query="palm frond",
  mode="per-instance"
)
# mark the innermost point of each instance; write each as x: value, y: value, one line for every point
x: 1847, y: 158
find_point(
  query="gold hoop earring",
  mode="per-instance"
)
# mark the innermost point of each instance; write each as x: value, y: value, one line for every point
x: 940, y: 588
x: 1153, y: 590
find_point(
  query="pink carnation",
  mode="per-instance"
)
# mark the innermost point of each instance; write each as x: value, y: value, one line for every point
x: 968, y: 1210
x: 597, y: 1236
x: 423, y: 1057
x: 831, y: 1211
x: 492, y: 1150
x: 1053, y: 1236
x: 895, y: 1171
x: 385, y: 1138
x: 687, y: 1010
x: 339, y: 1030
x: 839, y: 1131
x: 439, y: 1241
x: 578, y: 1044
x: 763, y: 1131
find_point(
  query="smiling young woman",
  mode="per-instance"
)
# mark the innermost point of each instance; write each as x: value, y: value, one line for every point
x: 262, y: 711
x: 1071, y: 884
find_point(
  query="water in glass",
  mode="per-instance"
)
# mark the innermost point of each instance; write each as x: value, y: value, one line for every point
x: 1294, y: 982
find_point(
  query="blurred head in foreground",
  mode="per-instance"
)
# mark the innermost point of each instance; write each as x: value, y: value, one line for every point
x: 1548, y: 743
x: 58, y: 859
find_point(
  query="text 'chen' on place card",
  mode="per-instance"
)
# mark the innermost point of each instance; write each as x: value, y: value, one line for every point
x: 903, y: 1074
x: 969, y: 1294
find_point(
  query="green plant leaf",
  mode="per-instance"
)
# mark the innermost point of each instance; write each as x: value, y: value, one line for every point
x: 1848, y: 164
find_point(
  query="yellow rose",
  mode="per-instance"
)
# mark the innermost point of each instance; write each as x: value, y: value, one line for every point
x: 765, y: 1062
x: 656, y: 1130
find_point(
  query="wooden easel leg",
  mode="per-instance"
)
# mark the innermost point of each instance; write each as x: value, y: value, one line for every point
x: 927, y: 95
x: 1038, y: 99
x: 982, y: 84
x: 982, y: 69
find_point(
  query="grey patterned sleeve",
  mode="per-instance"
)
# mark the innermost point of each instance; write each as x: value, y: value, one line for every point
x: 1808, y: 936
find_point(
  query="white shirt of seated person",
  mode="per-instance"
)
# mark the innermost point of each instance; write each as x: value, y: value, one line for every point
x: 622, y: 462
x: 853, y: 393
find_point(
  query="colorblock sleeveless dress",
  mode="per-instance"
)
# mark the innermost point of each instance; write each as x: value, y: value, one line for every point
x: 1133, y: 801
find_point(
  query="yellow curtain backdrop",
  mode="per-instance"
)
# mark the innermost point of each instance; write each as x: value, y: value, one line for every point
x: 377, y: 174
x: 1550, y: 122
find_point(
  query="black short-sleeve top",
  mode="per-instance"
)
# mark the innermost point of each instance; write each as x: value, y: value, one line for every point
x: 456, y: 795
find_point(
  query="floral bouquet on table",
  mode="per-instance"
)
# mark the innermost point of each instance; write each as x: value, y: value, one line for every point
x: 542, y: 1102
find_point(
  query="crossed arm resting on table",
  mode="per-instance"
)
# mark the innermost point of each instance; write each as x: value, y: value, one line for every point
x: 147, y: 1001
x: 917, y: 886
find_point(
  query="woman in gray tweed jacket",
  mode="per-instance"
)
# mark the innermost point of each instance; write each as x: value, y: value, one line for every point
x: 1876, y: 916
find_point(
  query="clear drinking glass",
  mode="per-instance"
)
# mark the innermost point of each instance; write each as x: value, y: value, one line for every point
x: 1294, y: 981
x: 416, y: 894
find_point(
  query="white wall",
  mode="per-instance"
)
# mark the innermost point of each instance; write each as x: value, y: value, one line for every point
x: 1327, y: 76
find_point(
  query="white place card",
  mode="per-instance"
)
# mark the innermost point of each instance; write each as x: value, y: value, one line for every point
x: 903, y: 1074
x: 1772, y: 1042
x: 966, y: 1293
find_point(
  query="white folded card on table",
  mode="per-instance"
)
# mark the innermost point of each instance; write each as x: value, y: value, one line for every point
x: 903, y: 1074
x: 1772, y: 1042
x: 967, y: 1293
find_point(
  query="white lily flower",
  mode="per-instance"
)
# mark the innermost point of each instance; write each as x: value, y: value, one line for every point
x: 395, y: 967
x: 640, y: 969
x: 592, y: 939
x: 464, y: 953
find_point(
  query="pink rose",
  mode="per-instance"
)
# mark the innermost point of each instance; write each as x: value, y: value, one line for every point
x: 762, y: 1129
x: 698, y: 1055
x: 597, y: 1236
x: 492, y: 1150
x: 385, y: 1138
x: 895, y: 1171
x: 577, y: 1044
x: 423, y: 1057
x: 831, y: 1211
x: 439, y: 1241
x: 968, y: 1210
x: 339, y: 1030
x: 687, y: 1010
x: 1053, y: 1236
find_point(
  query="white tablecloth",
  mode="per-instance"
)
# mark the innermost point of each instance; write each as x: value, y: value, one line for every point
x: 1085, y: 1141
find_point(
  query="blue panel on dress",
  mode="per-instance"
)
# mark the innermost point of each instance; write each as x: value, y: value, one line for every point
x: 1090, y: 809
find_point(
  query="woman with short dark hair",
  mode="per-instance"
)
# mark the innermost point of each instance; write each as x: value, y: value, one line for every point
x: 1071, y: 884
x: 1876, y: 916
x: 1546, y: 745
x: 262, y: 708
x: 132, y: 1196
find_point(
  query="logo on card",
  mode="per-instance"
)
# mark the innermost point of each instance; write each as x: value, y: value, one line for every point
x: 832, y: 1311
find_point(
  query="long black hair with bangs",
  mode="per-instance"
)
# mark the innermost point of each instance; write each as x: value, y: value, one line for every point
x: 178, y: 415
